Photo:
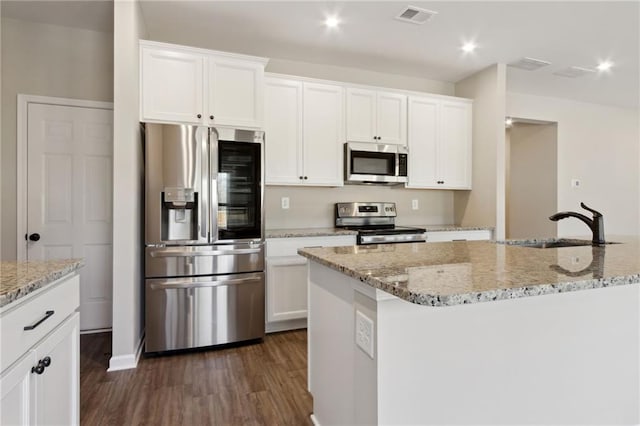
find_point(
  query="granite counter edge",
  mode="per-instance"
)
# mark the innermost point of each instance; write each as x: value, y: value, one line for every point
x: 38, y: 283
x: 493, y: 295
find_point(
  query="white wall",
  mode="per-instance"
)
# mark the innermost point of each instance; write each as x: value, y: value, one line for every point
x: 359, y: 76
x: 314, y: 207
x: 484, y: 205
x: 47, y: 60
x: 599, y: 145
x: 531, y: 180
x: 128, y: 322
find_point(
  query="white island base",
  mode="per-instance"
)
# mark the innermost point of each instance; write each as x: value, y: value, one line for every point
x: 568, y: 358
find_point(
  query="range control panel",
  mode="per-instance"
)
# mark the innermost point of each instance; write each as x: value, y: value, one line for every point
x: 345, y: 210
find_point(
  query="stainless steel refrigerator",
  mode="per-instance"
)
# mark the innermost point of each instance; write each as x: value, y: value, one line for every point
x: 204, y: 237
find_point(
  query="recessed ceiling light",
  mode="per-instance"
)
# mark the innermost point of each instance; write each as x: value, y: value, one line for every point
x: 605, y: 66
x: 331, y: 21
x: 469, y: 47
x: 508, y: 122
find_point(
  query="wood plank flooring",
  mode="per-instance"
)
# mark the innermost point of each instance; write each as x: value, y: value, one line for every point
x: 261, y: 384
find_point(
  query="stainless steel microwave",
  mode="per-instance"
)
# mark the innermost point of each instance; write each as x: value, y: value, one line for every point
x: 375, y: 163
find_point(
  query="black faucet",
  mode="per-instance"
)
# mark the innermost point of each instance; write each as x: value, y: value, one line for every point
x: 596, y: 224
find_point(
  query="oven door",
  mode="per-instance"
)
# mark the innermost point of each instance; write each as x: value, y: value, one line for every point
x: 367, y: 162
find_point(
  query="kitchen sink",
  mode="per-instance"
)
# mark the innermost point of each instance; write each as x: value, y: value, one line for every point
x: 551, y: 243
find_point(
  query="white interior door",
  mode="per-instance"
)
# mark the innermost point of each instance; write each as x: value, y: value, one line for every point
x: 69, y: 191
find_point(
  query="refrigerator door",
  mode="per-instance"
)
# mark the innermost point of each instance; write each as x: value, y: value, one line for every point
x: 238, y: 187
x: 204, y: 260
x: 176, y: 184
x: 203, y: 311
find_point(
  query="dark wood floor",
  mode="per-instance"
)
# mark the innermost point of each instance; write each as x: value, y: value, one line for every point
x: 261, y: 384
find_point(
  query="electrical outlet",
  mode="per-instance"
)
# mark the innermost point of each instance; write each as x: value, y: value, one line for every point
x: 575, y: 260
x: 364, y: 333
x: 285, y: 202
x: 575, y: 183
x: 414, y: 204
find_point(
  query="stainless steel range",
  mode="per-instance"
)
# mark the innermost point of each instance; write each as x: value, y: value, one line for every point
x: 375, y: 223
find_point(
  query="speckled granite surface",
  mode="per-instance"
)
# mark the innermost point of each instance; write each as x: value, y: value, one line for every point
x: 435, y: 228
x: 319, y: 232
x: 307, y: 232
x: 17, y: 279
x: 453, y: 273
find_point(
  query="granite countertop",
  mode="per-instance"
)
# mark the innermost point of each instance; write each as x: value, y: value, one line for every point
x: 319, y: 232
x: 18, y: 279
x: 462, y: 272
x: 307, y: 232
x: 439, y: 228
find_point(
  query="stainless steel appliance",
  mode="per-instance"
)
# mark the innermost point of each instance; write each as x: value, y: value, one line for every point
x: 375, y: 223
x: 204, y: 238
x: 375, y: 163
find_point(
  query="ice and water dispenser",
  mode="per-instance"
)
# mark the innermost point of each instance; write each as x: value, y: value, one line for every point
x: 179, y: 214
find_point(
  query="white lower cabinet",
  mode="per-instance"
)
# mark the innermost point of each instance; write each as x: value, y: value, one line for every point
x: 287, y: 279
x: 41, y: 384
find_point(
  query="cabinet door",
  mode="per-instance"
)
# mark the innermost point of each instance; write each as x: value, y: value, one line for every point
x: 235, y: 93
x: 323, y: 134
x: 16, y: 387
x: 361, y: 115
x: 171, y: 86
x: 286, y: 288
x: 57, y: 388
x: 283, y: 131
x: 423, y: 142
x: 455, y: 145
x: 392, y: 118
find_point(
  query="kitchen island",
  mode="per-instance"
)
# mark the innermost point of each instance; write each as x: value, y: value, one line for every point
x: 474, y: 333
x: 39, y: 334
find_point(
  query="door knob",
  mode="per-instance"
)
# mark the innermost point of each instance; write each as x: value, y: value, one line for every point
x: 34, y: 237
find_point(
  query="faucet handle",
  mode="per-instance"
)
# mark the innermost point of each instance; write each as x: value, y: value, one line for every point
x: 594, y: 212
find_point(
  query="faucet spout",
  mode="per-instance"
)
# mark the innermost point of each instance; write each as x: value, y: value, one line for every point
x: 596, y: 224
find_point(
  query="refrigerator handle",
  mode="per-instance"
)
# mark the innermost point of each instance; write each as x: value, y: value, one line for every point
x: 213, y: 183
x: 190, y: 283
x: 204, y: 191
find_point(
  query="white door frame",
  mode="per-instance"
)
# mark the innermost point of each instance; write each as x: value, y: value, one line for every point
x: 21, y: 140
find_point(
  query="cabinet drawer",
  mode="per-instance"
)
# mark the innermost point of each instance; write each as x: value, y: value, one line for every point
x: 289, y: 246
x: 61, y: 297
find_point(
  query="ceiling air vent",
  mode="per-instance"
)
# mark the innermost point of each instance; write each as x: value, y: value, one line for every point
x: 529, y: 64
x: 415, y: 15
x: 574, y: 72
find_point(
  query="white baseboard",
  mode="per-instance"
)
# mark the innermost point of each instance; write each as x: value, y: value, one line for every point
x: 314, y: 420
x: 126, y: 362
x: 296, y: 324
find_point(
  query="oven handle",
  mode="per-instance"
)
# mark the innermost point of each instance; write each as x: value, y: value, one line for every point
x: 198, y: 283
x: 179, y: 253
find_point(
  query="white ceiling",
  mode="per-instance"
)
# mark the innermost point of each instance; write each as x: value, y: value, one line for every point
x: 94, y: 15
x: 563, y: 33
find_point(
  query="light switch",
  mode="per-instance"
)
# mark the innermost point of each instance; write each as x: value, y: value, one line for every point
x: 285, y: 202
x: 575, y: 183
x: 414, y: 204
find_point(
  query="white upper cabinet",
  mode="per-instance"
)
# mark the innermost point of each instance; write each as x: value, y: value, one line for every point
x: 304, y: 125
x: 376, y: 116
x: 323, y: 134
x: 172, y: 85
x: 439, y: 143
x: 283, y: 131
x: 188, y: 85
x: 235, y: 92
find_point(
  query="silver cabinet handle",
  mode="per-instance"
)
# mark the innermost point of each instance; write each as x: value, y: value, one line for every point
x: 176, y: 253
